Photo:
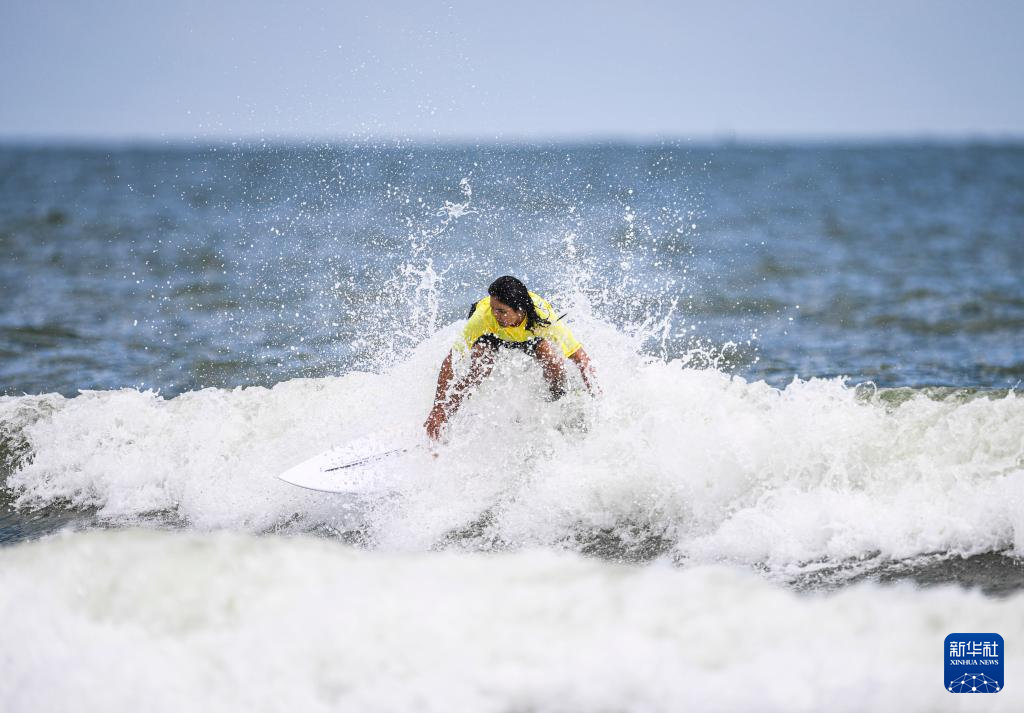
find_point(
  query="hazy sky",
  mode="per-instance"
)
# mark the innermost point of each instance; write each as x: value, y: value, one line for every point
x: 487, y: 69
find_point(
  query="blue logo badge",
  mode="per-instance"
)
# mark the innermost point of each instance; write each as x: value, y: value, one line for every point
x: 974, y: 663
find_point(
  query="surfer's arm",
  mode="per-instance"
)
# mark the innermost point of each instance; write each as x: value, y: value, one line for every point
x: 438, y: 414
x: 582, y: 361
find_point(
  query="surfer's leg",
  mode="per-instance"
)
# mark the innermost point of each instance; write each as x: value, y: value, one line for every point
x: 481, y: 360
x: 551, y: 361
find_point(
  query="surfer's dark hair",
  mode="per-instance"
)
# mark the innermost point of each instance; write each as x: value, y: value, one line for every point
x: 513, y: 292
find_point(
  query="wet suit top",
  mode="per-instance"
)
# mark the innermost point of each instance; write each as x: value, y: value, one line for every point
x: 482, y: 322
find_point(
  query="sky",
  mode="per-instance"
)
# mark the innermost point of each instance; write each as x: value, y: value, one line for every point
x: 524, y: 70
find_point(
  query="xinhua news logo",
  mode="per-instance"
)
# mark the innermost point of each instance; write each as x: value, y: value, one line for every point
x: 974, y: 663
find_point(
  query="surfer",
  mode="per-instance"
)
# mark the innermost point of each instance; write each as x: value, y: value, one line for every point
x: 510, y: 317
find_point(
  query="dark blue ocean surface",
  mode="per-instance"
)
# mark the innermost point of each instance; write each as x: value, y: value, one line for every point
x: 178, y: 267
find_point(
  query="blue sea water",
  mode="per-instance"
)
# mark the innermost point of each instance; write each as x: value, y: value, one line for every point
x: 179, y: 267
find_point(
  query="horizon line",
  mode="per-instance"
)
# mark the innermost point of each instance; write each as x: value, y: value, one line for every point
x: 495, y: 141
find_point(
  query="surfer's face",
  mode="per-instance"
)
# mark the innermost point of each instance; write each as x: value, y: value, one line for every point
x: 506, y: 316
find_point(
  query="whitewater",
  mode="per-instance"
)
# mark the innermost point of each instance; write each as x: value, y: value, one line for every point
x: 696, y: 531
x: 144, y: 620
x: 690, y: 464
x: 805, y: 468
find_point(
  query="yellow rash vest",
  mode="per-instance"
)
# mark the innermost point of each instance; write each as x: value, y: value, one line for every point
x: 482, y: 322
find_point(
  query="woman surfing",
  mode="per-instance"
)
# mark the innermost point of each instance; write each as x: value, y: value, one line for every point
x: 510, y: 317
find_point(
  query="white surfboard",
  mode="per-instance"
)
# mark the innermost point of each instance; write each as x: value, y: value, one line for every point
x: 360, y: 467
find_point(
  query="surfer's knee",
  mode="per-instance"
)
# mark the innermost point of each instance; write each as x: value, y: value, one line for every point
x: 550, y: 357
x: 482, y: 352
x: 481, y: 361
x: 548, y: 353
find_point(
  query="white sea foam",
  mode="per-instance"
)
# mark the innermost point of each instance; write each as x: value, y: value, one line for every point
x: 139, y: 620
x: 710, y: 466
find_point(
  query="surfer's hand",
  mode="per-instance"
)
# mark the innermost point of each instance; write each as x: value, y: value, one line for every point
x: 435, y: 422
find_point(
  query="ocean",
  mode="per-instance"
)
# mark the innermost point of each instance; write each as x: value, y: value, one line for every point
x: 805, y: 469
